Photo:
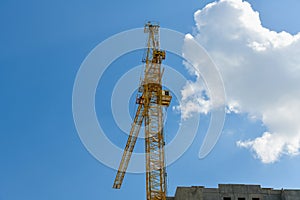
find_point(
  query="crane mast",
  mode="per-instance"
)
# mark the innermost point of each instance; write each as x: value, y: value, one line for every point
x: 152, y: 98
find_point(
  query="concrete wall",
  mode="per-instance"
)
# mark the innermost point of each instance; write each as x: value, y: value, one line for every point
x: 234, y: 192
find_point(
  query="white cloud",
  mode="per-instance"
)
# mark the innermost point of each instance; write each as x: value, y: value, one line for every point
x: 193, y: 100
x: 193, y: 96
x: 261, y: 72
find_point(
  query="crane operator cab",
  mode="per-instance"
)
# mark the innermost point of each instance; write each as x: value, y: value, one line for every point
x: 166, y: 98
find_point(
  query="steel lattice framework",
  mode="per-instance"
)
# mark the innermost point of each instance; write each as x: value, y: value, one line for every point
x: 151, y: 101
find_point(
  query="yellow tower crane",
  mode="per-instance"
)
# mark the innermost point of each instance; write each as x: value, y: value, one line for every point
x: 150, y: 102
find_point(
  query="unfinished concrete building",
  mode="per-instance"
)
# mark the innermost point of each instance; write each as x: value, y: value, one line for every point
x: 234, y: 192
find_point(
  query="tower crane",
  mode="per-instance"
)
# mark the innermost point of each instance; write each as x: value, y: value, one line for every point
x: 151, y: 100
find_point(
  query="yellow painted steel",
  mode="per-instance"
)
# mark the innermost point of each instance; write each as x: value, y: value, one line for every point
x: 135, y: 129
x: 151, y: 102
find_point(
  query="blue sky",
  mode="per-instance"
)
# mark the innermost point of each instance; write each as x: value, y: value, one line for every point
x: 43, y: 44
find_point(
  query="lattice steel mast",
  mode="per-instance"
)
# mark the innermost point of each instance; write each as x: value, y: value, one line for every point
x: 151, y: 101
